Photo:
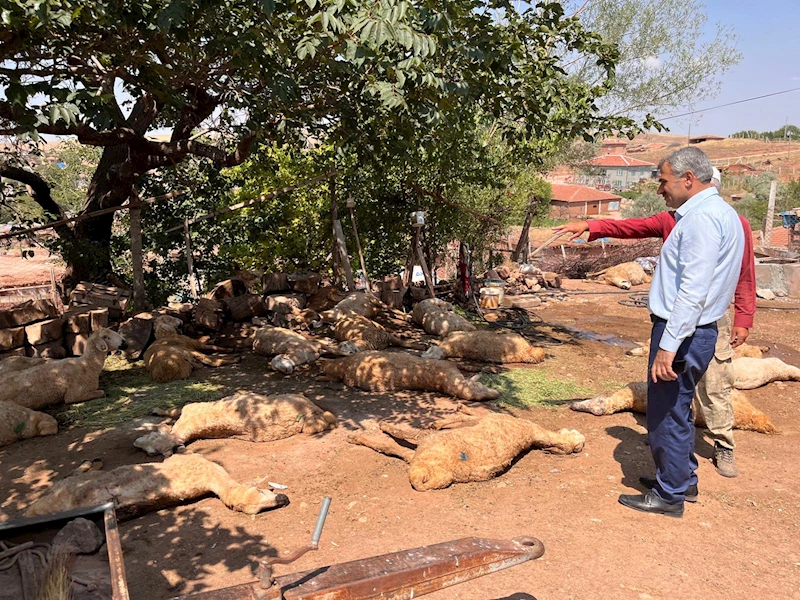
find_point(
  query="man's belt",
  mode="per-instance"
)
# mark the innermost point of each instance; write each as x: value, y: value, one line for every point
x: 657, y: 319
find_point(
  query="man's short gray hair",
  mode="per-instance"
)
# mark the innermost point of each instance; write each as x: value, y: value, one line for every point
x: 689, y: 159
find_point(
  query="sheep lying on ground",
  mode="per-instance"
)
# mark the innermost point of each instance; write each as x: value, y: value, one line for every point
x: 633, y: 397
x: 487, y: 346
x: 13, y: 364
x: 288, y: 348
x: 436, y: 317
x: 137, y: 489
x: 357, y: 303
x: 245, y: 416
x: 173, y: 356
x: 383, y: 371
x: 624, y: 275
x: 741, y: 351
x: 751, y: 373
x: 20, y: 423
x: 67, y: 380
x: 358, y: 334
x: 476, y: 452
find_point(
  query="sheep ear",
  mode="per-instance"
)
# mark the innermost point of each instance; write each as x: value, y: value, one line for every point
x: 476, y: 377
x: 101, y: 346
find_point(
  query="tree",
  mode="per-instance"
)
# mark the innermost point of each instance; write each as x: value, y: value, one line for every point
x: 644, y: 205
x: 666, y: 59
x: 221, y: 75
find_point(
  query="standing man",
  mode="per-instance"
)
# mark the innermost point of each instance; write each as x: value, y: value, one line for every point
x: 692, y: 288
x: 714, y: 389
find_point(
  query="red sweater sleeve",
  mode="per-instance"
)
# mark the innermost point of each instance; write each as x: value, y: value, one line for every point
x: 744, y: 298
x: 658, y: 225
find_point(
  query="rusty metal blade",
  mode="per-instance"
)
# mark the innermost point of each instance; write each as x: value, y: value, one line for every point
x: 397, y: 576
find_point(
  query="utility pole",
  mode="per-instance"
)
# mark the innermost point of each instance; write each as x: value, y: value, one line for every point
x: 773, y: 189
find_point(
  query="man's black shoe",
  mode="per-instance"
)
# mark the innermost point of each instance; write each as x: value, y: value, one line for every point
x: 650, y: 502
x: 650, y: 483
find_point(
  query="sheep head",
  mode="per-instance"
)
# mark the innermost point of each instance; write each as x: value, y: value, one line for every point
x: 105, y: 341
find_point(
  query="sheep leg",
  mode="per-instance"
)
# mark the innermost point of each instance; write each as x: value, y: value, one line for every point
x: 406, y: 434
x: 383, y: 444
x: 72, y: 397
x: 459, y: 420
x: 221, y: 349
x: 215, y: 361
x: 565, y: 441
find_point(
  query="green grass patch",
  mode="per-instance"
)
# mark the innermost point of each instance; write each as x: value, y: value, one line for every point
x: 523, y: 388
x: 131, y: 393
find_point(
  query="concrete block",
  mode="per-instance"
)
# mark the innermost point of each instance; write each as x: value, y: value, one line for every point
x: 43, y: 332
x: 11, y: 338
x: 792, y: 274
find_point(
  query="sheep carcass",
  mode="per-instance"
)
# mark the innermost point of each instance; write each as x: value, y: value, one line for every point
x: 67, y: 380
x: 20, y: 423
x: 288, y: 348
x: 137, y: 489
x: 475, y: 452
x: 245, y: 416
x: 633, y: 397
x: 436, y: 317
x: 624, y: 275
x: 357, y: 303
x: 487, y: 346
x: 751, y: 373
x: 173, y: 356
x: 358, y: 334
x: 12, y: 364
x: 383, y: 371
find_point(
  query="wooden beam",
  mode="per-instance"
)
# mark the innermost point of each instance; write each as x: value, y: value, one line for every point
x: 342, y: 247
x: 189, y: 261
x: 139, y: 296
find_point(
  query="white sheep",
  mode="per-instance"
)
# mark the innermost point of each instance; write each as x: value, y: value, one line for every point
x: 437, y: 317
x: 67, y: 380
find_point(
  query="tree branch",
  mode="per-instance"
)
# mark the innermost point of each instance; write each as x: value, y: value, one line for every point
x: 37, y: 187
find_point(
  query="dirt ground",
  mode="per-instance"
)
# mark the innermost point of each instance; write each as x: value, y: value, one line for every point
x: 16, y: 271
x: 740, y: 541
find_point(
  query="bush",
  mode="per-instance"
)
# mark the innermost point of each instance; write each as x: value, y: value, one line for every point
x: 644, y: 205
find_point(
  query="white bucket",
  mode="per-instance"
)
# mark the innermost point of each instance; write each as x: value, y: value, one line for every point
x: 490, y: 297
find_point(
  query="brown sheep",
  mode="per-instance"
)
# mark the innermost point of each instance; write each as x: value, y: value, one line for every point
x: 358, y: 334
x: 67, y: 380
x: 357, y: 303
x: 633, y: 397
x: 244, y: 416
x: 476, y: 452
x: 173, y: 356
x: 751, y: 373
x: 137, y: 489
x: 384, y: 371
x: 12, y: 364
x: 288, y: 348
x: 487, y: 346
x: 624, y: 275
x: 741, y: 351
x: 436, y: 317
x: 20, y: 423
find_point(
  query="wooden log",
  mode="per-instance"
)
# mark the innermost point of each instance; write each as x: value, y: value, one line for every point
x: 285, y: 303
x: 54, y: 349
x: 243, y: 308
x: 192, y: 279
x: 139, y: 294
x: 345, y: 258
x: 75, y: 343
x: 98, y: 318
x: 209, y: 314
x: 43, y: 331
x: 137, y: 332
x: 305, y: 283
x: 27, y: 312
x: 78, y: 320
x: 15, y: 352
x: 274, y: 282
x: 11, y: 338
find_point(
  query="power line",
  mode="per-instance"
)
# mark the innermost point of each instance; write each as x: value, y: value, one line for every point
x: 729, y: 104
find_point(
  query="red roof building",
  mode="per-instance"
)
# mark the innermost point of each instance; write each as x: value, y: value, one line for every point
x: 573, y: 201
x: 617, y: 172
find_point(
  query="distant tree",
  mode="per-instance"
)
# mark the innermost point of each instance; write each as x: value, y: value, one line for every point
x: 644, y: 205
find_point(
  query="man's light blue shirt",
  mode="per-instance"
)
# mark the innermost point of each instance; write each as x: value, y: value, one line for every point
x: 698, y: 267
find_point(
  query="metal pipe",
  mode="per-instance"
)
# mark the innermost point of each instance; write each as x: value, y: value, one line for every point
x: 323, y: 514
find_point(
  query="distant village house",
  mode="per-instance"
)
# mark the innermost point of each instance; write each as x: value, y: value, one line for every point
x: 574, y: 201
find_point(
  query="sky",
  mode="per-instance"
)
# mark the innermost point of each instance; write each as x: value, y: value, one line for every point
x: 769, y: 40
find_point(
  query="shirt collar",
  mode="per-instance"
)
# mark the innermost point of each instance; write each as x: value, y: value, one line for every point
x: 694, y: 201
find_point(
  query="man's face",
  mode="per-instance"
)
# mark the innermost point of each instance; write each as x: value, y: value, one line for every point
x: 674, y: 190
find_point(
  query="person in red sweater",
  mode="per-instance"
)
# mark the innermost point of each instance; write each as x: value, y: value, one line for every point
x: 714, y: 389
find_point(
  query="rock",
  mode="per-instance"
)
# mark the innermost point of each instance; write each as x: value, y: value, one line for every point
x: 11, y: 338
x: 27, y: 312
x: 137, y: 332
x: 79, y: 536
x: 525, y: 302
x: 54, y: 349
x: 765, y: 293
x: 43, y: 331
x: 305, y: 283
x: 78, y: 320
x: 503, y: 272
x: 75, y: 343
x: 275, y: 282
x: 552, y: 279
x: 285, y: 303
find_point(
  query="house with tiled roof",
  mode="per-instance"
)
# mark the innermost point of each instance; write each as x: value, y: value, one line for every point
x: 616, y: 172
x: 573, y: 201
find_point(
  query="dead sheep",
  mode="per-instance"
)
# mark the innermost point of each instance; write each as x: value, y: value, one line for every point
x: 174, y: 356
x: 67, y: 380
x: 20, y: 423
x: 357, y: 303
x: 741, y: 351
x: 288, y: 348
x: 385, y: 371
x: 436, y: 317
x: 13, y: 364
x: 487, y: 346
x: 138, y: 489
x: 478, y: 450
x: 164, y: 325
x: 751, y: 373
x: 633, y: 397
x: 357, y: 334
x: 624, y: 275
x: 244, y: 416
